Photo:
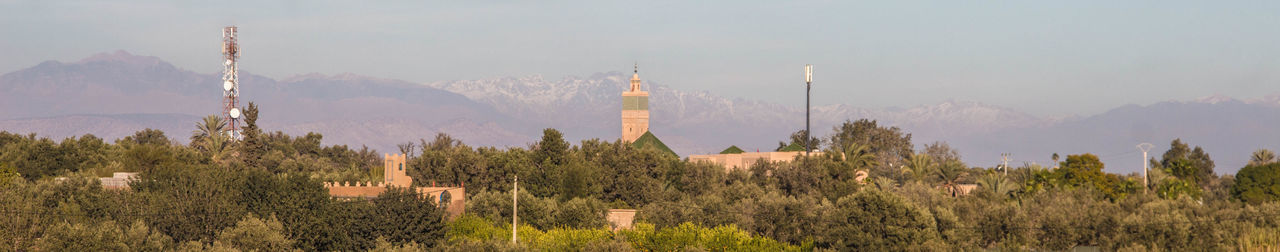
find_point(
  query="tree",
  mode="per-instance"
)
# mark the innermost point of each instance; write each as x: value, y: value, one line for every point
x: 102, y: 236
x: 941, y: 152
x: 1080, y: 170
x: 875, y: 220
x: 1262, y: 157
x: 995, y: 185
x: 1204, y: 165
x: 949, y: 175
x: 196, y: 201
x: 797, y: 138
x: 210, y: 125
x: 407, y: 148
x: 1257, y: 183
x: 147, y: 136
x: 210, y: 138
x: 920, y: 165
x: 576, y: 180
x: 582, y: 213
x: 553, y: 148
x: 7, y: 173
x: 148, y: 157
x: 255, y: 142
x: 1085, y: 170
x: 301, y: 204
x: 1195, y: 164
x: 889, y: 144
x: 403, y: 216
x: 253, y: 234
x: 858, y: 156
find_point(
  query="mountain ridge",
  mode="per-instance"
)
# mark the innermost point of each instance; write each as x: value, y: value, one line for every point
x: 60, y: 99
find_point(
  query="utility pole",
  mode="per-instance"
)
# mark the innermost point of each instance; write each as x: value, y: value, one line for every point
x: 1144, y: 147
x: 1004, y: 157
x: 515, y: 193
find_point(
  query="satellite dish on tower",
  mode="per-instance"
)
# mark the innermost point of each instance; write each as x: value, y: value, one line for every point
x: 235, y: 113
x: 227, y: 85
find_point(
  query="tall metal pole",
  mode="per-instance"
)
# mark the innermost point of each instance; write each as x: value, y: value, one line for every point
x: 515, y: 193
x: 808, y: 86
x: 1144, y: 147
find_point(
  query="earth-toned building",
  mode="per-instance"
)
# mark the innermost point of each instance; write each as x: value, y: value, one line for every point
x: 394, y: 175
x: 635, y: 118
x: 635, y: 110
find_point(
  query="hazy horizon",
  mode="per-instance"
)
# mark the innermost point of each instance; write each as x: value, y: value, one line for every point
x: 1042, y: 58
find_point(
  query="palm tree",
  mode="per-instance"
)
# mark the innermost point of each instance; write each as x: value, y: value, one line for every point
x: 884, y: 183
x: 209, y: 136
x: 1262, y: 157
x: 919, y: 165
x: 950, y: 173
x: 859, y: 156
x: 210, y: 125
x: 995, y: 184
x: 1055, y: 160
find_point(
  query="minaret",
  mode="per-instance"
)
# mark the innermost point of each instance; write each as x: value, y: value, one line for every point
x: 635, y: 110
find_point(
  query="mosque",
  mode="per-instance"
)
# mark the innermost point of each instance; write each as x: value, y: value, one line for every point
x: 635, y: 129
x: 635, y: 118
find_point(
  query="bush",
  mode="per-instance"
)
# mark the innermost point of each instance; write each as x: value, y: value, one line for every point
x: 1257, y: 183
x: 876, y: 220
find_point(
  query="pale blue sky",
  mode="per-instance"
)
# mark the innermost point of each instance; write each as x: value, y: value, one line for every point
x: 1043, y: 57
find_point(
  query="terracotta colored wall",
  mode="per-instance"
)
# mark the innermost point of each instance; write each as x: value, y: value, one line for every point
x: 394, y: 170
x: 745, y: 160
x: 395, y: 174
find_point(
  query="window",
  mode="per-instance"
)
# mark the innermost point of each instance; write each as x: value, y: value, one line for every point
x: 401, y: 166
x: 445, y: 198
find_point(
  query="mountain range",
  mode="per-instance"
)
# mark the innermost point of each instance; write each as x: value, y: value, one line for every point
x: 114, y: 94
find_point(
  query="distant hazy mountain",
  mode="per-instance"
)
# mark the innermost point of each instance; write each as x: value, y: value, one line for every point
x: 1228, y: 129
x: 112, y: 95
x: 69, y: 99
x: 108, y: 127
x: 699, y: 122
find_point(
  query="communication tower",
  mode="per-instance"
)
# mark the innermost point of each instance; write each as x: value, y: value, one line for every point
x: 231, y: 81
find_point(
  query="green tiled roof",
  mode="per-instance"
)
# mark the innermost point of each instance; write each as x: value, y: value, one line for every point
x: 648, y: 140
x: 733, y: 149
x: 793, y: 147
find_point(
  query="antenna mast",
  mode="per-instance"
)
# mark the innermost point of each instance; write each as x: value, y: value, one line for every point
x: 231, y: 82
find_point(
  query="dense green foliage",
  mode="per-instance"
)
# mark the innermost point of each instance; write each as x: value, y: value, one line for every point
x: 1258, y: 183
x: 265, y: 193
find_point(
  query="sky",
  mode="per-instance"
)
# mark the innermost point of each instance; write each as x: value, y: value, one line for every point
x: 1047, y: 58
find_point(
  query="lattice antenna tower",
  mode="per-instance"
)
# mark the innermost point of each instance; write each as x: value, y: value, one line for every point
x: 231, y: 82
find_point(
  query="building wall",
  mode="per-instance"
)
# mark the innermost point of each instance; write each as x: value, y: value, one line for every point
x: 634, y: 124
x: 742, y: 161
x: 745, y: 160
x: 635, y: 111
x: 395, y: 174
x: 621, y: 218
x: 118, y: 180
x: 393, y: 171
